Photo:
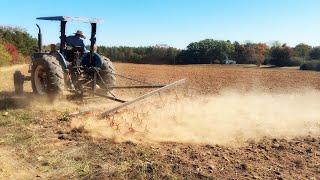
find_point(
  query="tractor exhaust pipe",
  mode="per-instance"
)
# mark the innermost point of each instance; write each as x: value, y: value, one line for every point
x: 39, y: 39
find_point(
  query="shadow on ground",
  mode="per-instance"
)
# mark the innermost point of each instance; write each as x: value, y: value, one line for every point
x: 9, y: 100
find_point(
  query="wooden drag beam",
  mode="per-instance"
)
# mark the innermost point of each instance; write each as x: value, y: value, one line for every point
x: 108, y: 112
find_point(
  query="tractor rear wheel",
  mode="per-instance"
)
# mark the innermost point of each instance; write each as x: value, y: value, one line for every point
x: 47, y: 77
x: 107, y: 73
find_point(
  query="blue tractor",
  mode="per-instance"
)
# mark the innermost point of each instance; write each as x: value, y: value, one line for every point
x: 79, y: 71
x: 67, y: 67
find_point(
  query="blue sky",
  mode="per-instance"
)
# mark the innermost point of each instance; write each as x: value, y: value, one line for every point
x: 174, y: 22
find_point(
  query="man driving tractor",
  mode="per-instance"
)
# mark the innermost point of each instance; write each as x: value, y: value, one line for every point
x: 76, y: 40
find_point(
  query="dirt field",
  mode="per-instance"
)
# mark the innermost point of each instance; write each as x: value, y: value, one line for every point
x: 227, y: 122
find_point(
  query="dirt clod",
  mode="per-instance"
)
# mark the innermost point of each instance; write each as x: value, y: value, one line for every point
x: 62, y: 136
x: 298, y: 163
x: 244, y: 167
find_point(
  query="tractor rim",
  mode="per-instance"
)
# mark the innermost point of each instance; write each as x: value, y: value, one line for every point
x: 40, y: 80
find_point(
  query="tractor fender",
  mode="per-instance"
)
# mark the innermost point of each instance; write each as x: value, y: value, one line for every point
x: 56, y: 54
x: 97, y: 60
x: 61, y: 59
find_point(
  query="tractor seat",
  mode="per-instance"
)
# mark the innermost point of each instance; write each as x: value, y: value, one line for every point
x: 70, y: 52
x: 79, y: 49
x: 85, y: 60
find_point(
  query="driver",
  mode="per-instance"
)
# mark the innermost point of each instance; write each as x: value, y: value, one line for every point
x: 76, y: 40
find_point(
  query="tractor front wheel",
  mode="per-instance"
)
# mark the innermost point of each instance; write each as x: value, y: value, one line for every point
x: 47, y: 77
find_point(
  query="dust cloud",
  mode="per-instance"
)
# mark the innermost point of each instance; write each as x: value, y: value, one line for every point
x: 228, y: 118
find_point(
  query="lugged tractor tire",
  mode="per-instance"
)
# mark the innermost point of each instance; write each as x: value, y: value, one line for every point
x: 47, y: 76
x: 107, y: 73
x: 18, y: 80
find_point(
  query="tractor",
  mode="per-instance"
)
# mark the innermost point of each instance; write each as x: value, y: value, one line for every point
x: 77, y: 70
x: 70, y: 68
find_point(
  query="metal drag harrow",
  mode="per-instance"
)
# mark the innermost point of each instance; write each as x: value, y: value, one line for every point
x: 154, y: 92
x: 124, y: 103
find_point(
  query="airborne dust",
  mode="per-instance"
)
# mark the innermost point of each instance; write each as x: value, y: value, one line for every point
x: 230, y: 118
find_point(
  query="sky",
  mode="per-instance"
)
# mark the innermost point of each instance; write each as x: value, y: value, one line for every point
x: 173, y: 22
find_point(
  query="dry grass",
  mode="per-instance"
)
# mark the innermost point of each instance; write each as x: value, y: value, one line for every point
x: 6, y: 77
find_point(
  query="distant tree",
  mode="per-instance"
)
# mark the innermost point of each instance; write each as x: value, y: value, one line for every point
x: 19, y: 38
x: 207, y: 51
x: 276, y: 44
x: 182, y: 57
x: 12, y: 50
x: 281, y: 55
x: 260, y: 51
x: 5, y: 57
x: 250, y: 53
x: 315, y: 53
x: 240, y: 54
x: 302, y: 50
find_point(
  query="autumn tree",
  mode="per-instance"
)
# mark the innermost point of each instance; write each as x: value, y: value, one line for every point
x: 250, y: 53
x: 19, y: 38
x: 260, y: 51
x: 5, y: 57
x: 281, y: 55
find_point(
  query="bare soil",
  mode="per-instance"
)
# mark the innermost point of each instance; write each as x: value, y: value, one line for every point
x: 40, y: 140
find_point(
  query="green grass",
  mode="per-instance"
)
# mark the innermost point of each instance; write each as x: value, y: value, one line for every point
x: 15, y: 118
x: 64, y: 116
x: 15, y: 127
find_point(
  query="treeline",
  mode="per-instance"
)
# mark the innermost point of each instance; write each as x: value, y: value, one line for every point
x: 19, y: 38
x: 303, y: 55
x: 16, y: 45
x: 210, y: 51
x: 141, y: 55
